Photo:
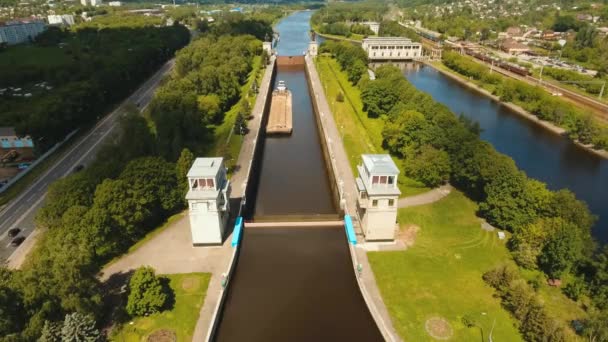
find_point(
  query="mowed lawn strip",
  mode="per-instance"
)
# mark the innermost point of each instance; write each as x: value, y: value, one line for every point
x: 360, y: 133
x: 441, y: 274
x: 190, y: 290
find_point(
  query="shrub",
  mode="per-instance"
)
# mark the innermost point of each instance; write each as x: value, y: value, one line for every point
x: 146, y: 293
x: 340, y: 97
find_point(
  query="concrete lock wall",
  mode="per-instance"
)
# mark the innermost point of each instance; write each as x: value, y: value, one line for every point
x: 324, y: 145
x: 251, y: 190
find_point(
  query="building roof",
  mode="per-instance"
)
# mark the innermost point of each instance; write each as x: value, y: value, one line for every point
x: 376, y: 40
x: 380, y: 164
x: 510, y: 44
x: 205, y: 167
x: 7, y: 131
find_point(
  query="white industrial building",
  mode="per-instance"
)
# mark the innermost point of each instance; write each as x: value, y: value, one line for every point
x: 20, y: 31
x: 374, y: 26
x: 208, y: 201
x: 91, y: 2
x: 391, y: 48
x: 64, y: 19
x: 115, y: 3
x: 378, y: 196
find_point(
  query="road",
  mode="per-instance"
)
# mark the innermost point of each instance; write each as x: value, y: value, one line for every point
x: 20, y: 212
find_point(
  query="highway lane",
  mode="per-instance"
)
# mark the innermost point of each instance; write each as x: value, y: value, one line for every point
x: 20, y: 212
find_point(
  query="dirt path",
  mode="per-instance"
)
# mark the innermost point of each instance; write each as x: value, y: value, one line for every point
x: 425, y: 198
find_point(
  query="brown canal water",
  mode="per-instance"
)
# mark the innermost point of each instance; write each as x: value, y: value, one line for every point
x: 294, y: 284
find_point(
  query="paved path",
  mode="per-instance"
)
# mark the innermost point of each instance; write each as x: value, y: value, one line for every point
x: 172, y: 252
x: 425, y: 198
x: 21, y: 210
x: 243, y: 165
x: 344, y: 173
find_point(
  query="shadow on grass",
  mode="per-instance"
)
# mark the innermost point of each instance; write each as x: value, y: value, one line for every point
x: 170, y: 302
x: 115, y: 299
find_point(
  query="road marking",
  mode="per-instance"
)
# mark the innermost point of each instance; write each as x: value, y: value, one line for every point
x: 84, y: 155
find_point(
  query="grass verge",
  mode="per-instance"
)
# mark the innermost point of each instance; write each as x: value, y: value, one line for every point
x: 440, y: 275
x: 189, y: 290
x: 360, y: 133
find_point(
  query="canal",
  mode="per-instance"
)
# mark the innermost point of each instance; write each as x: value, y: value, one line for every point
x: 541, y: 154
x: 294, y: 284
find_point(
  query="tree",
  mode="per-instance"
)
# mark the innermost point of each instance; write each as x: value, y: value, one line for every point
x: 562, y: 250
x: 431, y: 166
x: 79, y: 328
x: 51, y: 332
x: 146, y: 293
x: 209, y: 106
x: 596, y: 327
x: 405, y: 133
x: 183, y: 165
x: 11, y: 311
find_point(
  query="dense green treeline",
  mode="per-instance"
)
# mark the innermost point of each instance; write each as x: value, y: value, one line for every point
x: 343, y: 19
x: 134, y: 184
x: 88, y: 70
x: 205, y: 84
x: 551, y: 230
x: 580, y: 125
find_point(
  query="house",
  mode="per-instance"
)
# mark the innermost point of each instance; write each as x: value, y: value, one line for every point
x: 514, y: 31
x: 65, y: 19
x: 20, y: 31
x: 208, y: 201
x: 378, y: 195
x: 10, y: 141
x: 513, y: 47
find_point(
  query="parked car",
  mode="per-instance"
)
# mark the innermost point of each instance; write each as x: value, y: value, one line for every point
x: 13, y: 232
x: 23, y: 166
x: 17, y: 241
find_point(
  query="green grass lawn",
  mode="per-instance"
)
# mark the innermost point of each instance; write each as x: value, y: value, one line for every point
x: 440, y: 275
x: 360, y: 133
x: 190, y: 290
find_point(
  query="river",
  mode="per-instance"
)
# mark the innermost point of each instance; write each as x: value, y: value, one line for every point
x: 543, y: 155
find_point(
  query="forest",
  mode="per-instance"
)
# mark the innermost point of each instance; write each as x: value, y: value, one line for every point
x: 86, y: 71
x: 551, y: 230
x: 135, y: 183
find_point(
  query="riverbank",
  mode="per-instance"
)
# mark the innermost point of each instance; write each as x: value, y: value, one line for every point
x: 551, y: 127
x: 334, y: 37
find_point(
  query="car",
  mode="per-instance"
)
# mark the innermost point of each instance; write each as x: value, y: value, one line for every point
x: 13, y: 232
x: 17, y: 241
x: 23, y: 166
x: 78, y: 168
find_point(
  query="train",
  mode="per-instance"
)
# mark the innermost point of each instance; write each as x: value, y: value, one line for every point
x: 514, y: 68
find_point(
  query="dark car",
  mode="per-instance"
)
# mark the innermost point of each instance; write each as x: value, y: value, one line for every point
x: 78, y: 168
x: 13, y: 232
x: 17, y: 241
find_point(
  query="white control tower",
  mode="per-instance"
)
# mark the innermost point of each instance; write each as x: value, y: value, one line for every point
x: 378, y: 196
x: 208, y: 201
